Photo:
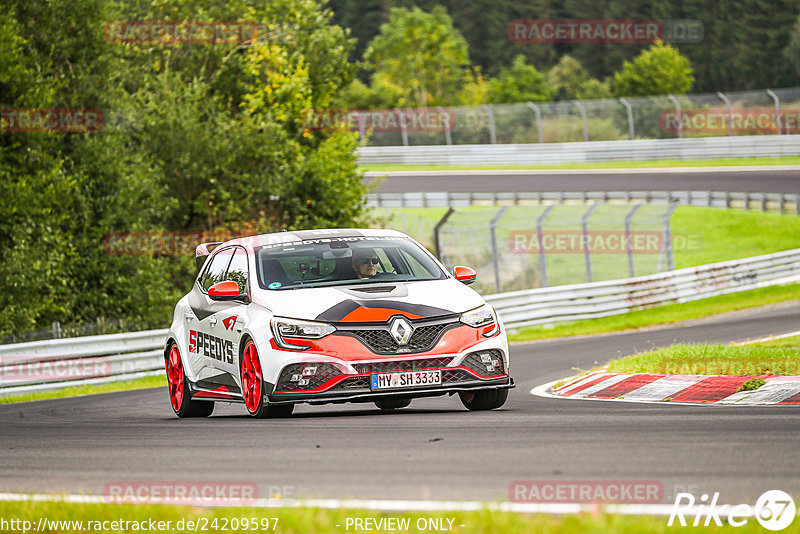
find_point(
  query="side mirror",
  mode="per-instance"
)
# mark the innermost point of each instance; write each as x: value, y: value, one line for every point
x: 227, y: 290
x: 465, y: 275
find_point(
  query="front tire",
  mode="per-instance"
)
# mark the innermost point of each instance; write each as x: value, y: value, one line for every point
x: 253, y: 387
x: 179, y: 396
x: 487, y: 399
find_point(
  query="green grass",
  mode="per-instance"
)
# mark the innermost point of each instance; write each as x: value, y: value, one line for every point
x: 666, y: 314
x: 139, y: 383
x: 793, y: 341
x: 314, y: 520
x: 719, y: 234
x: 732, y: 162
x: 683, y: 359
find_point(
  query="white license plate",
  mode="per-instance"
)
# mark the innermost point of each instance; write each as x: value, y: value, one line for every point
x: 406, y: 379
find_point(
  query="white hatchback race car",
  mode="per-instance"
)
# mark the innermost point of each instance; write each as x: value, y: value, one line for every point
x: 331, y: 316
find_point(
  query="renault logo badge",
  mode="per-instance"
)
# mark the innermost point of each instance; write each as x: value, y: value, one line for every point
x: 401, y: 331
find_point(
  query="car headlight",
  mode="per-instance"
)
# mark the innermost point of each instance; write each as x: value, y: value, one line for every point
x: 482, y: 316
x: 283, y: 327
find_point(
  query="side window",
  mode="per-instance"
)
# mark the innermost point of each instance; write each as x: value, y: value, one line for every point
x: 237, y: 270
x: 216, y: 269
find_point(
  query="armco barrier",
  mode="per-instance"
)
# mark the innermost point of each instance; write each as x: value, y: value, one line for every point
x: 53, y: 364
x: 750, y: 146
x: 601, y: 299
x: 774, y: 202
x: 57, y: 363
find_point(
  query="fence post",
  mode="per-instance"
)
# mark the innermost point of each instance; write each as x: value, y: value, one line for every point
x: 436, y: 243
x: 538, y: 113
x: 492, y: 131
x: 493, y: 235
x: 666, y: 249
x: 403, y: 126
x: 629, y: 111
x: 583, y: 119
x: 56, y: 330
x: 448, y: 136
x: 586, y: 251
x: 539, y: 236
x: 777, y: 109
x: 628, y: 246
x: 362, y: 134
x: 678, y: 111
x: 730, y: 112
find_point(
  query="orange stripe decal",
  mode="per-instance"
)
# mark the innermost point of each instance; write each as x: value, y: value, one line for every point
x: 370, y: 315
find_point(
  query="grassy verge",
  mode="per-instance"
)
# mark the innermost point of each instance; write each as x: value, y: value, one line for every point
x: 732, y: 162
x: 313, y: 521
x: 666, y: 314
x: 139, y: 383
x: 748, y: 360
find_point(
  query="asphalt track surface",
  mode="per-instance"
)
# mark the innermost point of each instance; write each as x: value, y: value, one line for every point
x: 434, y: 449
x: 784, y: 179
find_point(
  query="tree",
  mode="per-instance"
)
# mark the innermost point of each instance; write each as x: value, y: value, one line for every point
x: 659, y: 70
x: 423, y: 54
x: 569, y: 81
x: 195, y: 138
x: 519, y: 83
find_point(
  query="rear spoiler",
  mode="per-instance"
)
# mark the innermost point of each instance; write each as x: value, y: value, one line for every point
x: 202, y: 251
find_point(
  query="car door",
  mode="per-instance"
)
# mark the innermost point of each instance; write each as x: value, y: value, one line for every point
x: 206, y: 347
x: 230, y: 320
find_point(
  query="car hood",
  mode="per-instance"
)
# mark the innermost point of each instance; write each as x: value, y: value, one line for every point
x: 375, y: 302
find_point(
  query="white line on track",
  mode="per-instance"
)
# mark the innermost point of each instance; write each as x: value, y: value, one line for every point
x: 638, y: 170
x: 768, y: 338
x: 404, y: 505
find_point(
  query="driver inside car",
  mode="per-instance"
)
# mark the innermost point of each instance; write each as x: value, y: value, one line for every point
x: 365, y: 262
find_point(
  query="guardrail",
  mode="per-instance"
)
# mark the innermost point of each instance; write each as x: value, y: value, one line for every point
x: 777, y: 202
x: 602, y: 299
x: 751, y: 146
x: 58, y: 363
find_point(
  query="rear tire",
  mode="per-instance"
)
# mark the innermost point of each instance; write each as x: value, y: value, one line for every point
x: 179, y: 396
x: 394, y: 403
x: 253, y: 387
x: 487, y: 399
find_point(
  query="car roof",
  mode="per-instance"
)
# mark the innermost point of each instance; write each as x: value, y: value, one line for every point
x: 304, y: 235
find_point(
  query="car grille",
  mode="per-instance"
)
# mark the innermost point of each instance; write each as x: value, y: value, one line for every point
x: 401, y: 365
x: 294, y: 376
x: 493, y: 367
x: 380, y: 341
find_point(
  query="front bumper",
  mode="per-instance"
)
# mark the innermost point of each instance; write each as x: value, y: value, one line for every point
x: 366, y: 394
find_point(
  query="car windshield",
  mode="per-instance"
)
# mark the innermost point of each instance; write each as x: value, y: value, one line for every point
x: 344, y: 261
